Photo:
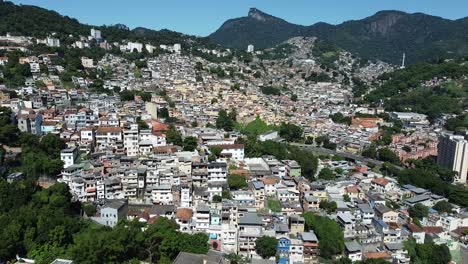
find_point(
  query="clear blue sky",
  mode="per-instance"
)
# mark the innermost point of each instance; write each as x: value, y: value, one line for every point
x: 202, y: 17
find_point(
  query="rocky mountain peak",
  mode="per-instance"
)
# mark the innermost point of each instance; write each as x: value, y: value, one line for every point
x: 257, y: 14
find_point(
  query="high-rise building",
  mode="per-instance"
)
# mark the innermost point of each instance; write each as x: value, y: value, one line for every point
x: 96, y: 33
x: 52, y: 42
x: 453, y: 154
x: 250, y: 48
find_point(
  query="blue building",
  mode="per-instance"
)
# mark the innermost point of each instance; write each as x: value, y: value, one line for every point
x: 283, y: 250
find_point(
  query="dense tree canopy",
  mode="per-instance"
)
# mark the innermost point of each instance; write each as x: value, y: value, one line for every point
x: 45, y: 224
x: 291, y: 132
x: 174, y: 136
x: 328, y: 232
x: 326, y: 174
x: 265, y: 246
x: 402, y: 89
x: 190, y: 143
x: 226, y: 120
x: 418, y: 211
x: 427, y: 174
x: 236, y: 182
x: 443, y: 207
x: 340, y: 118
x: 427, y: 252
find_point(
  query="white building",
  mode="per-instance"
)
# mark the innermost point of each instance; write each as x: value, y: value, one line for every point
x: 250, y: 48
x: 68, y: 156
x: 150, y: 48
x: 217, y: 172
x: 177, y: 48
x: 453, y: 154
x: 130, y: 138
x: 353, y: 250
x: 162, y: 194
x: 152, y: 109
x: 107, y: 137
x: 111, y: 212
x: 347, y: 223
x: 270, y: 135
x: 233, y: 151
x: 365, y: 213
x: 35, y: 68
x: 131, y: 46
x: 202, y: 217
x: 52, y: 42
x: 96, y: 33
x: 185, y: 196
x: 87, y: 62
x: 411, y: 119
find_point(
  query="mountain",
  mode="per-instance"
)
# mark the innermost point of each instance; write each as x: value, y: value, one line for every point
x: 39, y: 22
x: 385, y: 35
x: 257, y: 28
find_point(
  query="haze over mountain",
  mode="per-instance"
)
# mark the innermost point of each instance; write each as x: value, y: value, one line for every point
x: 386, y: 35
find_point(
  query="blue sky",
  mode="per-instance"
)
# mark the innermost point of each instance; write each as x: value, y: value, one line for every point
x: 202, y: 17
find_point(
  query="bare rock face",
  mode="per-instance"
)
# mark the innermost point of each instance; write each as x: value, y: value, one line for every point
x: 257, y: 14
x: 384, y: 24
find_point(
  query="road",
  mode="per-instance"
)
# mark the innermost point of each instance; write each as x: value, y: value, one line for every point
x: 345, y: 155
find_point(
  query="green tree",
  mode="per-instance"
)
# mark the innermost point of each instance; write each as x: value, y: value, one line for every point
x: 340, y: 118
x: 443, y: 206
x: 174, y: 136
x: 290, y: 132
x: 346, y: 198
x: 52, y: 145
x: 294, y: 98
x: 190, y: 143
x: 142, y: 124
x: 427, y: 252
x: 89, y: 209
x: 419, y: 211
x: 265, y: 246
x: 217, y: 199
x: 163, y: 112
x: 329, y: 207
x: 236, y: 182
x: 226, y: 121
x: 328, y: 232
x: 326, y: 174
x: 406, y: 148
x: 385, y: 154
x: 370, y: 152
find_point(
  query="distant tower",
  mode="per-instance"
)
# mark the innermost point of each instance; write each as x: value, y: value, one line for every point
x: 250, y: 48
x: 403, y: 61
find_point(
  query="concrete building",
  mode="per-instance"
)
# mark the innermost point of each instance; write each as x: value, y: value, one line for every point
x: 152, y: 109
x: 68, y: 156
x: 177, y: 48
x: 453, y: 154
x: 52, y: 42
x: 96, y: 34
x: 111, y: 212
x: 87, y: 62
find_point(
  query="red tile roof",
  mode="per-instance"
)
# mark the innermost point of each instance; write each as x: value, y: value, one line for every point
x: 380, y: 181
x: 184, y: 214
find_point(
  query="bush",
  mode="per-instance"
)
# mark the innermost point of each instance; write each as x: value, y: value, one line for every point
x: 265, y: 246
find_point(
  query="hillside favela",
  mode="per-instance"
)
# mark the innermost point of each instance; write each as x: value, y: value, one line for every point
x: 234, y: 132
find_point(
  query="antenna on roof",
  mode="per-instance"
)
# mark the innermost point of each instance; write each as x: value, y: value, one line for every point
x: 403, y: 61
